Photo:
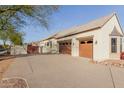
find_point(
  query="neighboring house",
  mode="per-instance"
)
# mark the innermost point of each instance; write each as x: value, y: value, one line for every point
x: 98, y: 40
x: 49, y: 45
x: 33, y: 48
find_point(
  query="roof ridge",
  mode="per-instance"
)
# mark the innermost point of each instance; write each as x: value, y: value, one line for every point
x: 112, y: 14
x: 98, y: 23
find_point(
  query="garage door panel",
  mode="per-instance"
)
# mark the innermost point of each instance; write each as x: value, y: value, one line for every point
x: 68, y: 49
x: 65, y: 49
x: 86, y: 50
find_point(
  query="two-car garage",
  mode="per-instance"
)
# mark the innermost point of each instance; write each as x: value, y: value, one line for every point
x: 85, y: 48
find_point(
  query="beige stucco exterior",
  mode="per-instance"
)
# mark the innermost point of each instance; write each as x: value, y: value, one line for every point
x: 101, y: 40
x: 101, y: 49
x: 106, y: 31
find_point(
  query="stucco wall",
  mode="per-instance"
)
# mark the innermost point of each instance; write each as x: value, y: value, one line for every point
x: 101, y: 41
x: 75, y: 39
x: 106, y: 45
x: 75, y: 47
x: 18, y: 50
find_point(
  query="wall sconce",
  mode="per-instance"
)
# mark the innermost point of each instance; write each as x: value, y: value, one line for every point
x: 73, y: 43
x: 95, y: 42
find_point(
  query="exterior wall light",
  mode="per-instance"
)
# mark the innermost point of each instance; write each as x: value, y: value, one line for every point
x: 95, y: 42
x: 73, y: 44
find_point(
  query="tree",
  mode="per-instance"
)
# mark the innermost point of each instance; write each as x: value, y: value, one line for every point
x: 11, y: 17
x: 13, y: 14
x: 16, y: 38
x: 4, y: 38
x: 4, y: 34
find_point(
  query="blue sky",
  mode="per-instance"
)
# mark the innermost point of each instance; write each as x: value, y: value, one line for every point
x: 69, y: 16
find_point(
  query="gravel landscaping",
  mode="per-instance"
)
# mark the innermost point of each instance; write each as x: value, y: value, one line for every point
x: 116, y: 63
x: 13, y: 83
x: 4, y: 65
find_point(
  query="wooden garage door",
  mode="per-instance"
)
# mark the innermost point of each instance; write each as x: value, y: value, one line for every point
x: 86, y: 49
x: 65, y: 48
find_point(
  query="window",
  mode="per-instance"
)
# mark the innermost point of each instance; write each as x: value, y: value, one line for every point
x: 47, y: 43
x: 89, y: 41
x: 114, y: 45
x: 82, y: 42
x: 50, y: 44
x: 120, y: 44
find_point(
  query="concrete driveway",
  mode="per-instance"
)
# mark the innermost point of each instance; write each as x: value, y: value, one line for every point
x: 61, y: 71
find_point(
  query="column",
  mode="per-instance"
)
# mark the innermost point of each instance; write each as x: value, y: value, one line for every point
x: 75, y: 47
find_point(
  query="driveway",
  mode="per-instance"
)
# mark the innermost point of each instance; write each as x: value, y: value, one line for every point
x: 61, y: 71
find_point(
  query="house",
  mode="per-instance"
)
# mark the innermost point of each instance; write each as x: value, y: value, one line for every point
x: 49, y: 45
x: 99, y: 40
x: 33, y: 48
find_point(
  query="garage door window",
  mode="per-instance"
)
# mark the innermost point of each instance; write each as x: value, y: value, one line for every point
x: 82, y: 42
x: 63, y: 43
x: 66, y: 43
x: 60, y: 43
x: 90, y: 42
x: 114, y: 45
